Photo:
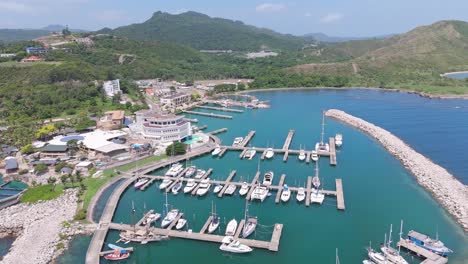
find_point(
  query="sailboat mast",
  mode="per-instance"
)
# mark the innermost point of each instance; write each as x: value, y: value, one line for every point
x: 323, y: 127
x: 337, y: 258
x: 390, y: 236
x: 133, y: 217
x: 401, y: 233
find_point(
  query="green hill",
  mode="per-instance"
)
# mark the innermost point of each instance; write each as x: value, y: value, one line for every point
x: 13, y: 35
x: 206, y: 33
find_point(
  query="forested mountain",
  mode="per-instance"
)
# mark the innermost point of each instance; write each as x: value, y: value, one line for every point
x: 13, y: 35
x: 206, y: 33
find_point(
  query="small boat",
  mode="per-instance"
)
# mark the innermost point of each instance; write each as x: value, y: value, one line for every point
x: 204, y: 187
x: 237, y: 141
x: 260, y: 193
x: 190, y: 185
x: 249, y: 106
x: 181, y: 223
x: 338, y: 140
x: 322, y: 146
x: 190, y: 171
x: 165, y: 183
x: 231, y: 227
x: 140, y: 183
x: 424, y: 241
x: 250, y: 222
x: 376, y: 257
x: 216, y: 151
x: 268, y: 178
x: 218, y: 187
x: 300, y: 196
x: 317, y: 197
x: 151, y: 218
x: 169, y: 218
x: 314, y: 155
x: 250, y: 154
x: 244, y: 189
x: 286, y: 194
x: 230, y: 189
x: 269, y: 153
x: 175, y: 169
x: 214, y: 224
x: 176, y: 188
x: 366, y: 261
x: 200, y: 173
x: 391, y: 254
x: 302, y: 155
x: 234, y: 246
x: 117, y: 255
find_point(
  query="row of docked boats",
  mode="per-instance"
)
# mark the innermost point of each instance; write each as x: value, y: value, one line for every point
x: 390, y: 255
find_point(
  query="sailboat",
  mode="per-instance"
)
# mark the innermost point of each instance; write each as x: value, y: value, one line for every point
x: 300, y: 196
x: 374, y: 256
x: 231, y: 227
x: 337, y: 258
x: 214, y: 224
x: 244, y: 189
x: 322, y: 146
x: 170, y: 215
x: 316, y: 196
x: 389, y: 252
x: 302, y: 154
x: 250, y: 222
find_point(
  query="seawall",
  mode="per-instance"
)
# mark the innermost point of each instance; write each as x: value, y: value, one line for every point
x: 444, y: 187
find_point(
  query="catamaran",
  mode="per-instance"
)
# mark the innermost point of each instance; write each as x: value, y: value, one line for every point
x: 190, y: 185
x: 300, y: 196
x: 229, y: 244
x: 338, y: 140
x: 214, y: 224
x: 200, y: 173
x: 204, y: 187
x: 269, y: 153
x: 424, y: 241
x: 322, y: 146
x: 268, y: 178
x: 286, y: 194
x: 244, y: 189
x: 237, y: 141
x: 231, y: 227
x: 250, y: 222
x: 390, y: 253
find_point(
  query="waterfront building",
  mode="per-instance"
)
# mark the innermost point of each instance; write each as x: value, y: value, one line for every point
x: 112, y: 87
x: 176, y: 99
x: 160, y: 127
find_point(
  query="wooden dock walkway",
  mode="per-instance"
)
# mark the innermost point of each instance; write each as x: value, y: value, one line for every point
x: 239, y: 229
x: 308, y: 190
x: 254, y: 182
x: 241, y: 156
x: 339, y: 194
x: 247, y: 139
x: 332, y: 151
x: 217, y: 131
x: 223, y: 150
x: 263, y: 154
x: 288, y: 140
x: 206, y: 225
x: 207, y: 114
x: 139, y: 223
x: 280, y: 190
x: 272, y: 245
x: 229, y: 178
x: 430, y: 257
x: 224, y: 109
x: 308, y: 153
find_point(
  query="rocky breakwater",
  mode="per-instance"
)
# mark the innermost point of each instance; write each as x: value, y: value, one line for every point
x: 446, y: 189
x: 37, y: 227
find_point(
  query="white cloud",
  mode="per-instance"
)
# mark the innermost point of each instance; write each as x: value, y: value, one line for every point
x: 270, y: 7
x: 331, y: 18
x: 308, y: 14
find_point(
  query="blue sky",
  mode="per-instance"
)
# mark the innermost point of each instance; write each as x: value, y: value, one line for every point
x: 333, y: 17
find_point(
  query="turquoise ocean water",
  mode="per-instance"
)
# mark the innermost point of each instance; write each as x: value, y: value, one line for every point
x: 378, y: 190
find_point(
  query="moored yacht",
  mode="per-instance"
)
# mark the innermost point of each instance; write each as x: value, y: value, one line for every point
x: 322, y: 146
x: 140, y: 183
x: 268, y: 178
x: 231, y: 227
x: 316, y: 196
x: 314, y: 155
x: 165, y: 183
x: 244, y: 189
x: 217, y: 188
x: 175, y: 169
x: 234, y: 246
x: 200, y: 173
x: 176, y: 188
x: 204, y: 187
x: 181, y: 223
x: 269, y: 153
x: 190, y: 171
x: 338, y: 140
x: 391, y: 254
x: 259, y: 193
x: 170, y: 217
x: 216, y: 151
x: 250, y: 154
x: 190, y: 185
x: 424, y: 241
x: 237, y: 141
x: 302, y: 155
x: 214, y: 224
x: 376, y: 257
x: 250, y: 222
x: 230, y: 189
x: 300, y: 196
x: 286, y: 194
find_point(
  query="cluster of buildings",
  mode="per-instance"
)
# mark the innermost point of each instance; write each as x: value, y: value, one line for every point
x: 112, y: 88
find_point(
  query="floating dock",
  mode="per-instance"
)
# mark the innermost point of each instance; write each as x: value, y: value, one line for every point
x: 287, y: 143
x: 430, y: 257
x: 252, y: 185
x: 228, y: 180
x: 224, y: 109
x: 339, y: 194
x: 217, y: 131
x: 247, y: 139
x: 207, y: 114
x: 308, y: 190
x: 332, y: 151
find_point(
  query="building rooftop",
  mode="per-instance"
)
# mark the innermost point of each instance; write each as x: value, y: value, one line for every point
x: 11, y: 163
x: 55, y: 148
x: 116, y: 114
x: 176, y: 95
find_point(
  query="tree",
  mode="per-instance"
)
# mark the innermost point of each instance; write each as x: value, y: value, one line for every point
x: 52, y: 181
x: 45, y: 131
x: 195, y: 96
x: 66, y: 31
x: 179, y: 149
x: 72, y: 146
x: 64, y: 179
x: 28, y: 149
x: 40, y: 168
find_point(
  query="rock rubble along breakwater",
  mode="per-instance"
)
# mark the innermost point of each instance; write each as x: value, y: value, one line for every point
x: 444, y: 187
x: 37, y: 227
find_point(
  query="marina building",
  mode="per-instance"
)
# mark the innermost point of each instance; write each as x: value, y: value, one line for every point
x: 160, y: 127
x: 112, y: 87
x: 176, y: 99
x: 111, y: 120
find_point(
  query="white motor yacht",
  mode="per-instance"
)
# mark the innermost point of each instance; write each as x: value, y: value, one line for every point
x: 366, y: 261
x: 338, y: 140
x: 181, y: 223
x: 204, y: 187
x: 190, y: 171
x: 165, y: 183
x: 175, y: 169
x: 230, y: 189
x: 376, y: 257
x: 218, y: 187
x: 268, y: 178
x: 169, y: 218
x: 300, y: 196
x: 260, y: 193
x: 151, y: 218
x: 176, y: 188
x: 317, y: 197
x: 234, y: 246
x: 302, y: 155
x: 322, y: 146
x: 190, y: 185
x: 231, y: 227
x: 140, y: 183
x: 286, y: 194
x: 269, y: 153
x: 314, y: 155
x: 200, y: 173
x: 216, y: 151
x: 237, y: 141
x: 244, y: 189
x: 250, y: 154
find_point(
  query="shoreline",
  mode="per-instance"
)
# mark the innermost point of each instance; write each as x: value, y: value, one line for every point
x: 422, y: 94
x: 449, y: 192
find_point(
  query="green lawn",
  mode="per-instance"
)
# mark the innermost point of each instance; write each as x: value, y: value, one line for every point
x: 42, y: 192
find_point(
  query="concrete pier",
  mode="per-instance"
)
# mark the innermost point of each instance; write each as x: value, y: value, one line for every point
x: 229, y: 178
x: 239, y: 228
x: 207, y: 114
x: 430, y: 257
x: 223, y: 150
x: 252, y: 186
x: 332, y: 151
x: 205, y: 226
x: 280, y: 190
x: 217, y: 131
x: 288, y: 140
x: 339, y: 194
x: 308, y: 190
x: 224, y: 109
x: 247, y: 139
